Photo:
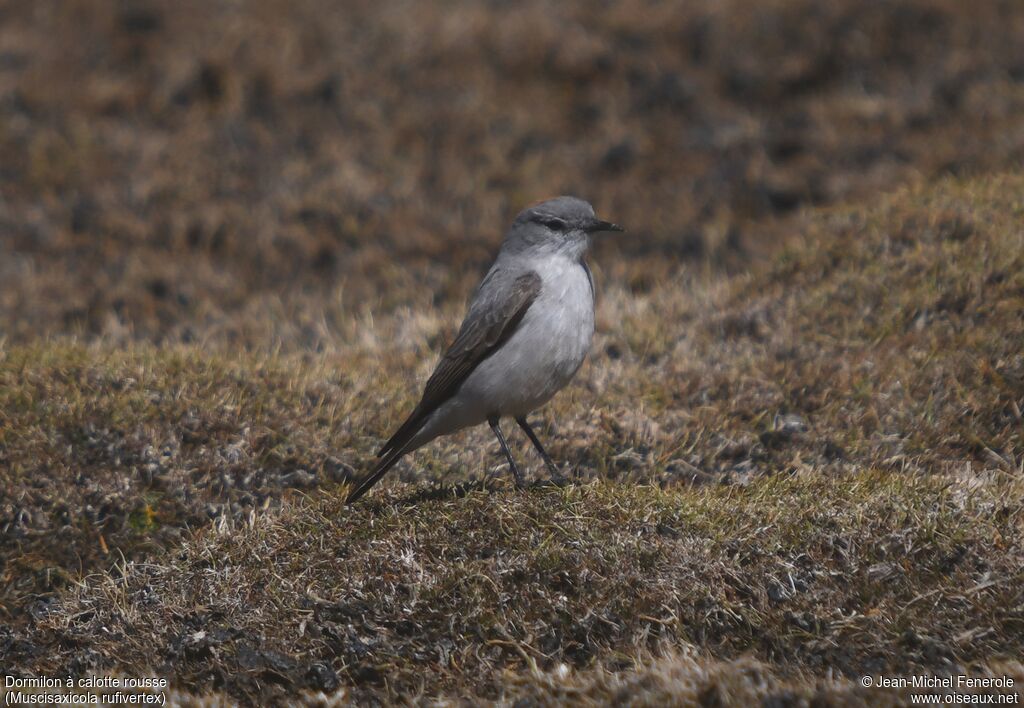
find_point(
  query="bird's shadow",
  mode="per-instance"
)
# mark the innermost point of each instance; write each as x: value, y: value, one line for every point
x: 490, y: 484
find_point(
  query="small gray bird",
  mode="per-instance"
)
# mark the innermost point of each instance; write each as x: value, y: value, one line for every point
x: 526, y: 334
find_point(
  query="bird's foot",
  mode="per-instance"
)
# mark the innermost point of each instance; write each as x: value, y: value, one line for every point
x: 517, y: 476
x: 557, y: 478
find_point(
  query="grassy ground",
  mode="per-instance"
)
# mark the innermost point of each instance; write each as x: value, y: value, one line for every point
x: 235, y: 236
x: 813, y: 471
x: 418, y: 594
x: 187, y: 170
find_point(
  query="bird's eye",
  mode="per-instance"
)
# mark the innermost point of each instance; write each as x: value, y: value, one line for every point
x: 553, y: 223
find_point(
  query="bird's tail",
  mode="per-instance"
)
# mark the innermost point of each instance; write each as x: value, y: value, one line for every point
x: 379, y: 470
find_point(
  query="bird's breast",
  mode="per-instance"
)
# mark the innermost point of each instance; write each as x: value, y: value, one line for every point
x: 557, y: 330
x: 544, y: 352
x: 566, y: 310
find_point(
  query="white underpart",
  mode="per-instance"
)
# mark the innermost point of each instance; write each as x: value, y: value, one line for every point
x: 536, y: 362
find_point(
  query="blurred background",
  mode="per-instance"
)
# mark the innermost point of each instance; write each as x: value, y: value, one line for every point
x: 190, y: 187
x: 245, y: 172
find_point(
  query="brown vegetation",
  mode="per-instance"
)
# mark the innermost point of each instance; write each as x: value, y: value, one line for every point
x: 862, y: 439
x: 179, y: 170
x: 233, y: 240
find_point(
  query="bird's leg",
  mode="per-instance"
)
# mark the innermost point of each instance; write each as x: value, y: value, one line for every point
x: 493, y: 422
x: 552, y: 468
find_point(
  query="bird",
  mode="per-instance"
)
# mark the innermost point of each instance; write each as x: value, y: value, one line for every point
x: 527, y: 331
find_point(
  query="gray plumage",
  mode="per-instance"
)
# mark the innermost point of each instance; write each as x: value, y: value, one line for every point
x: 527, y: 332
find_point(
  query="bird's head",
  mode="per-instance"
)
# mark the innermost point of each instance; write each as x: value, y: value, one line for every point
x: 562, y: 225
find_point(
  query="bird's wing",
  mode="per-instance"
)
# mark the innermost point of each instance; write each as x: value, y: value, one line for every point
x: 499, y: 306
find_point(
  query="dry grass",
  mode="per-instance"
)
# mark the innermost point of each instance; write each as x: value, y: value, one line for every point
x: 425, y: 594
x: 183, y: 170
x: 233, y: 238
x: 817, y: 466
x: 687, y: 681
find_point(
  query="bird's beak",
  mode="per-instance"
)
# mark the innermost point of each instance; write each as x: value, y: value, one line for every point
x: 598, y: 225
